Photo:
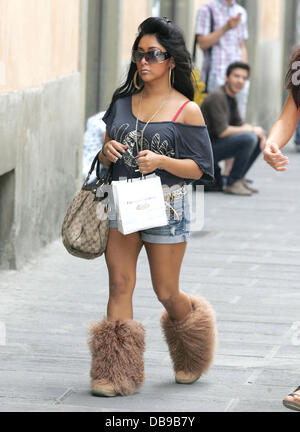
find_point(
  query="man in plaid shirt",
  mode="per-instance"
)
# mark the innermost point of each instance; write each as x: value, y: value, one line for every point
x: 227, y: 41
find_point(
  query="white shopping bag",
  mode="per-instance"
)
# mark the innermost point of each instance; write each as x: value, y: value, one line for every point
x: 139, y: 204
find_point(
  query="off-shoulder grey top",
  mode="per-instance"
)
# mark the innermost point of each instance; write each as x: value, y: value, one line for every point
x: 172, y: 139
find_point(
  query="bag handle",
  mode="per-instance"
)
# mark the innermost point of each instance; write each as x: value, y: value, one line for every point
x: 96, y: 163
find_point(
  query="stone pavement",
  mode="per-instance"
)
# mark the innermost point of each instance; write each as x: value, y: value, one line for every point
x: 245, y: 262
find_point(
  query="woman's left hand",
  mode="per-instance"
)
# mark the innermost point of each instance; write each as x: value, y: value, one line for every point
x: 148, y: 161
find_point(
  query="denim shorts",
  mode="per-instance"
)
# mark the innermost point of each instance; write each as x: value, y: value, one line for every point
x: 177, y: 208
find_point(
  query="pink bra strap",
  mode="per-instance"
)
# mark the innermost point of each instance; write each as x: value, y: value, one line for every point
x: 179, y: 111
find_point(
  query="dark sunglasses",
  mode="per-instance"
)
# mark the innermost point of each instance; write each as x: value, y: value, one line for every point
x: 151, y: 57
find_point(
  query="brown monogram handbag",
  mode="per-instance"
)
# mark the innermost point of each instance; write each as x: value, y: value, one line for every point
x: 86, y: 224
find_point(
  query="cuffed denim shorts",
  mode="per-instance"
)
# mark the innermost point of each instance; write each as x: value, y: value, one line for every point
x: 177, y: 208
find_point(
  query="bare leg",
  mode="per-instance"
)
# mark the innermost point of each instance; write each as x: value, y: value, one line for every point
x: 165, y: 262
x: 121, y: 257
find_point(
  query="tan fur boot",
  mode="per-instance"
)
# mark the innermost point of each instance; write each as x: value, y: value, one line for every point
x: 117, y: 348
x: 191, y: 341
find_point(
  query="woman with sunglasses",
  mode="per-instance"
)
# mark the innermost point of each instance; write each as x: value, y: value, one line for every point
x: 153, y: 127
x: 280, y: 134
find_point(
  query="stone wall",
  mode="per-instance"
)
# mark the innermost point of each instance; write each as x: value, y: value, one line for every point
x: 41, y: 128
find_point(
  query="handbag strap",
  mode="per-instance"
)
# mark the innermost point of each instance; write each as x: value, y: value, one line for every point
x: 100, y: 180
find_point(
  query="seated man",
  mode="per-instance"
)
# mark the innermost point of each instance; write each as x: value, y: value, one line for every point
x: 230, y: 136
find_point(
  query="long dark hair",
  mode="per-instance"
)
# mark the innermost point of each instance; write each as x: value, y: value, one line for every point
x: 292, y: 81
x: 171, y: 38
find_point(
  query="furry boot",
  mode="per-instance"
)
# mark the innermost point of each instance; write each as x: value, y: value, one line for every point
x: 191, y: 341
x: 117, y: 348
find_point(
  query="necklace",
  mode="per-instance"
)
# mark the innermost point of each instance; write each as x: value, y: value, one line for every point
x: 152, y: 117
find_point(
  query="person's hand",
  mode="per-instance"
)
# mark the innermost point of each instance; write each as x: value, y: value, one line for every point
x: 148, y: 161
x: 247, y: 128
x: 274, y: 157
x: 233, y: 22
x: 113, y: 150
x: 259, y: 132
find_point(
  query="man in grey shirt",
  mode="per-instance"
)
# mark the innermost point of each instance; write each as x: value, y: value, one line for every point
x: 231, y: 137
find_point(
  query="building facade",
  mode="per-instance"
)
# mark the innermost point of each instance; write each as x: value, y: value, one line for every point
x: 40, y: 128
x: 60, y: 61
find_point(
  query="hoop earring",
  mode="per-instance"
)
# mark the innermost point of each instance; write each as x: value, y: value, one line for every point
x: 171, y: 78
x: 135, y: 81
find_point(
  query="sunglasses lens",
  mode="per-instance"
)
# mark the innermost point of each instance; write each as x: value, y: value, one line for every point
x: 137, y: 56
x: 151, y: 57
x: 155, y: 57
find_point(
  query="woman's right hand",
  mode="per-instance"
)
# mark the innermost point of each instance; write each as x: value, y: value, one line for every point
x: 274, y: 157
x: 113, y: 150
